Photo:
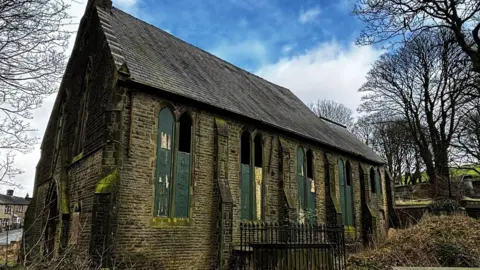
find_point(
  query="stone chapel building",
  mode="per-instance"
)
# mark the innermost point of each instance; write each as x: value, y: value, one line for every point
x: 156, y: 149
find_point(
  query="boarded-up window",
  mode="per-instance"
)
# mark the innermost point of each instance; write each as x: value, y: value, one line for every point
x: 163, y: 179
x: 258, y: 158
x: 341, y: 181
x: 378, y: 181
x: 246, y: 187
x: 301, y: 180
x: 310, y: 188
x: 349, y: 220
x: 182, y: 180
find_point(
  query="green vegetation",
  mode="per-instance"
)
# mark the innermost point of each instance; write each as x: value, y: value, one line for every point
x: 436, y: 241
x: 454, y: 172
x: 105, y: 184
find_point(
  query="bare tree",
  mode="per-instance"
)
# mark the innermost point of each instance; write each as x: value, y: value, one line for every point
x: 332, y: 110
x: 391, y: 139
x: 32, y: 45
x: 407, y: 19
x: 467, y: 143
x: 426, y: 83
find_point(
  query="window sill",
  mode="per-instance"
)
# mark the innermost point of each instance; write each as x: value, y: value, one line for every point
x: 162, y: 222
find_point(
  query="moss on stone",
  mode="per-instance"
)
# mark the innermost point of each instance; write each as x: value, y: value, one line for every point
x: 77, y: 158
x: 105, y: 184
x: 64, y: 208
x: 349, y: 229
x: 168, y: 222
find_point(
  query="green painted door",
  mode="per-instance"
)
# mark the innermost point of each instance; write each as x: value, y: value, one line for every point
x: 163, y: 179
x: 182, y: 185
x: 246, y: 193
x: 341, y: 181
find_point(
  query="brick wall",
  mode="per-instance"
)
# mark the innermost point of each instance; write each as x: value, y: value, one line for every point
x: 193, y: 242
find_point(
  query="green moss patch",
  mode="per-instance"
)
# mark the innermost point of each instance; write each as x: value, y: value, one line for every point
x: 105, y: 185
x: 169, y: 222
x: 77, y: 158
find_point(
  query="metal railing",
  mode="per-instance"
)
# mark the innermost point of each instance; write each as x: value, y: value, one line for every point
x: 292, y: 246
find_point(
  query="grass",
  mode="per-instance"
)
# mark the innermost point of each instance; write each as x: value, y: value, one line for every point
x: 436, y: 241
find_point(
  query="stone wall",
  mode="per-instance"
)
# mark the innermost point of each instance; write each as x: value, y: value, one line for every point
x: 72, y: 171
x: 192, y: 241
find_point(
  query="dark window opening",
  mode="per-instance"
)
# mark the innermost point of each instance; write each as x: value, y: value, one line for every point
x: 379, y: 180
x: 258, y: 151
x: 184, y: 142
x: 309, y: 164
x: 245, y: 147
x: 349, y: 174
x: 372, y: 181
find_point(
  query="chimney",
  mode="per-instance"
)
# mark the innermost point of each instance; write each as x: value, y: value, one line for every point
x: 10, y: 192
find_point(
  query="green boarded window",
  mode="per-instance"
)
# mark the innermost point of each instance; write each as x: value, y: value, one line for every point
x: 246, y: 186
x: 163, y: 179
x: 349, y: 195
x: 182, y: 180
x: 301, y: 178
x: 378, y: 181
x: 341, y: 181
x: 172, y: 190
x: 310, y: 189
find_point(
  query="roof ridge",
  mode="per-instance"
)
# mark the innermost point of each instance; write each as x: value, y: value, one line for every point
x: 215, y: 57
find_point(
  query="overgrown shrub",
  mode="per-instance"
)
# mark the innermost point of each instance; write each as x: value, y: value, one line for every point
x: 443, y: 240
x: 444, y: 207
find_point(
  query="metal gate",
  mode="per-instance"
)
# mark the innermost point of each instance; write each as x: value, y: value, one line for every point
x: 292, y: 246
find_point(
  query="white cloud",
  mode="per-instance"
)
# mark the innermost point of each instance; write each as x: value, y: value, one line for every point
x: 129, y: 6
x: 328, y: 71
x: 28, y: 162
x: 249, y: 50
x: 309, y: 15
x: 125, y: 3
x: 287, y: 48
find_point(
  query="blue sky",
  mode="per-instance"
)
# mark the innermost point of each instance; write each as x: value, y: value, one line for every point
x: 250, y: 33
x: 306, y: 46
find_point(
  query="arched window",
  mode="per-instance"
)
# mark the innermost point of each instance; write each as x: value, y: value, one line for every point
x: 182, y: 180
x: 163, y: 179
x: 378, y: 181
x: 341, y: 181
x: 310, y: 189
x: 246, y: 198
x: 258, y: 161
x: 349, y: 195
x: 373, y: 184
x: 83, y: 110
x: 301, y: 178
x: 172, y: 189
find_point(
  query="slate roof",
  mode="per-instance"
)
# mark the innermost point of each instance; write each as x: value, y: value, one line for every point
x: 13, y: 200
x: 157, y: 59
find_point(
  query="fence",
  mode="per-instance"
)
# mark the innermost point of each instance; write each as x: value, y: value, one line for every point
x: 292, y: 246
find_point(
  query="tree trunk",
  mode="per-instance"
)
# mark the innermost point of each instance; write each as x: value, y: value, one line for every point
x: 442, y: 171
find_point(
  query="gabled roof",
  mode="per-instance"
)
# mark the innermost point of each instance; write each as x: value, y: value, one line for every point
x: 13, y: 200
x: 159, y: 60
